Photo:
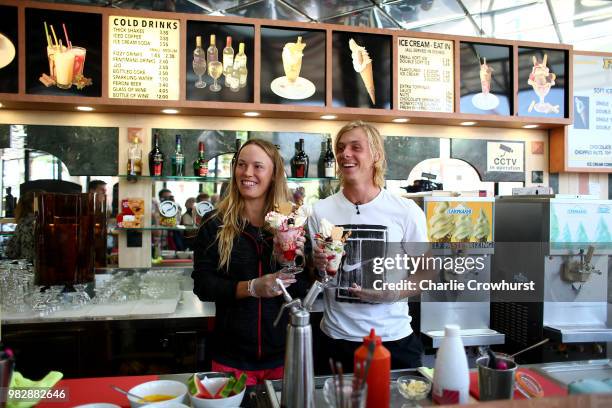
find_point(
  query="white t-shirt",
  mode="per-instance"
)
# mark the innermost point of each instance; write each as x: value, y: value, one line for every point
x: 386, y: 219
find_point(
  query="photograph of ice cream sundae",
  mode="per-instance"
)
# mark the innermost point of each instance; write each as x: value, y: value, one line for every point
x: 362, y: 64
x: 541, y: 79
x: 292, y: 85
x: 66, y: 62
x: 331, y: 240
x: 287, y: 221
x: 485, y: 100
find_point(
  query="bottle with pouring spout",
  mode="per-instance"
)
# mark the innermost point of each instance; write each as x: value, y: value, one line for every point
x: 298, y: 379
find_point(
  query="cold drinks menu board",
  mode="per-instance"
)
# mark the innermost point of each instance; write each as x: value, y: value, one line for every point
x: 425, y: 74
x: 143, y: 58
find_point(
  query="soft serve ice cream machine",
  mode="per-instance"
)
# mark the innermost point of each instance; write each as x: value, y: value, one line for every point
x: 460, y: 227
x: 563, y: 245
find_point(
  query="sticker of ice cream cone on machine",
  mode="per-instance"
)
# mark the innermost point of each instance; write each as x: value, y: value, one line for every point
x: 541, y: 79
x: 485, y: 100
x: 362, y: 63
x: 292, y: 85
x: 66, y: 62
x: 465, y: 222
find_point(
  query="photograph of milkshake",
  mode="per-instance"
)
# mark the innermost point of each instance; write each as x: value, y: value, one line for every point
x: 362, y: 63
x: 66, y: 62
x: 541, y: 80
x: 291, y: 85
x: 288, y: 221
x: 331, y: 239
x: 485, y: 100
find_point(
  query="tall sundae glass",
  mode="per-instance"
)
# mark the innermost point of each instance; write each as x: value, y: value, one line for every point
x: 541, y: 80
x: 292, y: 59
x: 288, y: 224
x: 331, y: 240
x: 485, y: 77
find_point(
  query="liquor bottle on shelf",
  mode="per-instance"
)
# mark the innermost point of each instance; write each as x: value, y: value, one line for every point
x: 237, y: 148
x: 178, y: 160
x: 241, y: 65
x: 329, y: 161
x: 228, y: 58
x: 200, y: 165
x: 212, y: 54
x: 199, y: 63
x: 156, y: 158
x: 299, y: 162
x: 134, y: 164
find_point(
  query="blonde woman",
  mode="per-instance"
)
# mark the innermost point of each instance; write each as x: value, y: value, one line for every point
x: 235, y: 267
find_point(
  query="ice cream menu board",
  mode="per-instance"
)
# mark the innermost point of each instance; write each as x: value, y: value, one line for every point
x: 143, y: 58
x: 588, y: 144
x: 425, y: 74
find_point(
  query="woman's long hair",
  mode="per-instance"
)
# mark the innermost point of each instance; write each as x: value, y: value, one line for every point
x: 231, y: 207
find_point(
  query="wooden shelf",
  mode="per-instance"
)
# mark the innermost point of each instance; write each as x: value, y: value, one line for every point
x: 104, y: 104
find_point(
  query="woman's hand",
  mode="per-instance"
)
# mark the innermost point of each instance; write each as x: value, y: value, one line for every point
x: 267, y: 287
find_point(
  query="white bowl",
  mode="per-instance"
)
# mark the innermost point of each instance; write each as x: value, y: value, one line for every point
x: 233, y: 401
x: 168, y: 254
x: 184, y: 254
x: 164, y: 387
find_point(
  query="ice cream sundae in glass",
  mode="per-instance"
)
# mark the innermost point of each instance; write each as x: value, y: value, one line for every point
x: 331, y: 239
x: 291, y: 85
x: 485, y: 100
x: 288, y: 221
x: 541, y: 79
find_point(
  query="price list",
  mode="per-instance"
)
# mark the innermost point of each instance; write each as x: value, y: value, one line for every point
x: 425, y: 75
x: 143, y: 58
x: 589, y: 145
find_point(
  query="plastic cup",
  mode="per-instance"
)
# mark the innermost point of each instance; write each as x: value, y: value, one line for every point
x: 64, y: 68
x: 79, y: 61
x: 495, y: 384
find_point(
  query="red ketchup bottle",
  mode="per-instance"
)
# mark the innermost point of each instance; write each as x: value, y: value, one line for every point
x: 379, y: 374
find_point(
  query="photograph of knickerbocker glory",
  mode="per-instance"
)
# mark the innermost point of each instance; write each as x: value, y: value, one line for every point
x: 292, y: 86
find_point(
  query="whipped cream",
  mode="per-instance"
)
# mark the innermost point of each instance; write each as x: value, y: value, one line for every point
x: 360, y: 56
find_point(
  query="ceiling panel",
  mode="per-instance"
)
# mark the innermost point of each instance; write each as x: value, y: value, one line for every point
x: 370, y: 17
x: 461, y: 26
x: 486, y: 6
x: 274, y: 10
x: 516, y: 20
x: 320, y: 10
x: 583, y: 10
x: 418, y: 13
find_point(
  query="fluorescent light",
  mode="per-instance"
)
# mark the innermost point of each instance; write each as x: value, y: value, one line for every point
x: 251, y: 114
x: 85, y: 108
x: 530, y: 126
x: 328, y: 117
x: 400, y: 120
x: 170, y: 111
x: 467, y: 123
